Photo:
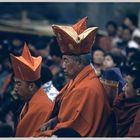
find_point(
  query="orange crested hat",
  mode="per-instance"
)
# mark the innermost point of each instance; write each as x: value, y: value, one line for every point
x: 76, y: 39
x: 26, y: 67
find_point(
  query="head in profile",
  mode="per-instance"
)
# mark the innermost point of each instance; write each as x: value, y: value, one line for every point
x: 26, y: 74
x: 75, y: 44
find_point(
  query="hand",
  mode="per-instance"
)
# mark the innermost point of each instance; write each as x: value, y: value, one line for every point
x: 49, y: 125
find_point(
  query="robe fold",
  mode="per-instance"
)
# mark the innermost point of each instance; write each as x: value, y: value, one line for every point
x: 83, y: 106
x: 127, y: 113
x: 34, y: 114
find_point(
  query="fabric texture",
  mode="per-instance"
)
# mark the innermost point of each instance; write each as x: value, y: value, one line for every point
x: 134, y: 130
x: 75, y: 39
x: 26, y: 67
x: 50, y: 90
x: 127, y: 114
x: 34, y: 114
x: 83, y: 106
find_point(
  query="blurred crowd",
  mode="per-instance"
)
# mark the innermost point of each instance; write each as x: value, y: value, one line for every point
x: 118, y: 46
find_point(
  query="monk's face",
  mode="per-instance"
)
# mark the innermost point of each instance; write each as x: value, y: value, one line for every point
x: 70, y: 66
x: 22, y: 89
x: 129, y: 90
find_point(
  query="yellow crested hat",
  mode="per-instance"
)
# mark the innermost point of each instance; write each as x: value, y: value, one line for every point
x: 76, y: 39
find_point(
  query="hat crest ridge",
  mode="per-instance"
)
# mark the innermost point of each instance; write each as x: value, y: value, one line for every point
x: 76, y: 39
x: 27, y: 55
x: 80, y: 26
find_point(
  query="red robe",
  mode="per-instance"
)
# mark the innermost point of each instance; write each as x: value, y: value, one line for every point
x: 34, y: 115
x: 83, y: 106
x: 134, y: 130
x: 128, y: 116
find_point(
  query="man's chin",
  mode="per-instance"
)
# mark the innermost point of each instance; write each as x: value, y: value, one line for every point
x: 21, y: 97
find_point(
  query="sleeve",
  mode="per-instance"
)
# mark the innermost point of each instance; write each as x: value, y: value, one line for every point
x: 32, y: 121
x: 134, y: 130
x: 81, y: 110
x: 40, y: 118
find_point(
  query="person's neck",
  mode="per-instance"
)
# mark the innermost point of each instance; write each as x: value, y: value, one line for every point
x: 81, y: 67
x: 97, y: 65
x: 35, y: 90
x: 32, y: 94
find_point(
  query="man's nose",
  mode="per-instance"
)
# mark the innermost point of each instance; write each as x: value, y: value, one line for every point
x: 63, y: 65
x: 16, y: 88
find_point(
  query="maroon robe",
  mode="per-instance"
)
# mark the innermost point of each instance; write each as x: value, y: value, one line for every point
x: 127, y: 112
x: 134, y: 130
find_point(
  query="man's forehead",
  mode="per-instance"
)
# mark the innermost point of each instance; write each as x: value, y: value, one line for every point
x: 64, y: 55
x: 67, y: 56
x: 17, y: 80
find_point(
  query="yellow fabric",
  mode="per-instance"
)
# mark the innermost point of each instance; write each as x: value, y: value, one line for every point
x: 76, y: 39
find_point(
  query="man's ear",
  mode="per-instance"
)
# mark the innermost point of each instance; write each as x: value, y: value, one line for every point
x: 31, y: 86
x: 138, y: 91
x: 78, y: 62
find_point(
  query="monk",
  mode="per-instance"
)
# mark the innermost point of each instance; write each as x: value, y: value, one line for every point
x: 127, y: 106
x: 28, y: 87
x: 81, y: 105
x: 113, y: 82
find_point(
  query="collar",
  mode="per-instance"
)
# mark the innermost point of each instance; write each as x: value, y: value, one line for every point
x: 36, y: 97
x: 84, y: 73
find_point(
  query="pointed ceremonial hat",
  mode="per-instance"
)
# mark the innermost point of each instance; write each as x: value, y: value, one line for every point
x: 26, y: 67
x: 76, y: 39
